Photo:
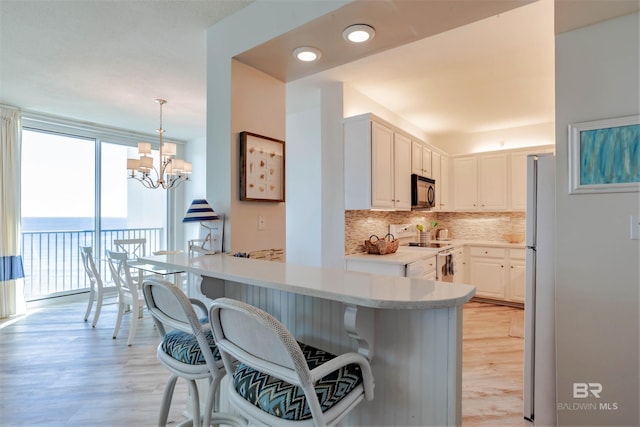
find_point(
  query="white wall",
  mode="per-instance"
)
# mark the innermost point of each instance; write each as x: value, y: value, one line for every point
x: 304, y: 171
x: 315, y: 211
x: 597, y: 274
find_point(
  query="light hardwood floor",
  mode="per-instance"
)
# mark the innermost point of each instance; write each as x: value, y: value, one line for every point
x: 493, y: 362
x: 55, y: 370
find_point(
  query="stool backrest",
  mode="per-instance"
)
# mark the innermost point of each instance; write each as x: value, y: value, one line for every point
x: 170, y: 308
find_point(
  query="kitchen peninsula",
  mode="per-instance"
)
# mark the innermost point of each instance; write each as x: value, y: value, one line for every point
x: 410, y: 329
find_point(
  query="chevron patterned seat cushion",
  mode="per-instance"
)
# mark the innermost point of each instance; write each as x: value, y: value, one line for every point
x: 286, y: 401
x: 184, y: 347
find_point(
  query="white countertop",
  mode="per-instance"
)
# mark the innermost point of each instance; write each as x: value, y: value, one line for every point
x: 409, y: 254
x: 368, y: 290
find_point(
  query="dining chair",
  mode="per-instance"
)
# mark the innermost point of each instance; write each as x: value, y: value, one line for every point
x: 188, y: 350
x: 128, y: 295
x: 97, y: 290
x: 134, y: 248
x: 276, y: 380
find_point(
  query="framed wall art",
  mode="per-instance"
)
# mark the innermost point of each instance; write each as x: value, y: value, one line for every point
x: 261, y: 168
x: 604, y: 156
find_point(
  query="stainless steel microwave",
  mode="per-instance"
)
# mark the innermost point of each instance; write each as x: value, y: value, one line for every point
x: 423, y: 192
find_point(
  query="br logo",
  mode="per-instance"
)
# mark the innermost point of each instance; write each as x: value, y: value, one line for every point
x: 584, y: 390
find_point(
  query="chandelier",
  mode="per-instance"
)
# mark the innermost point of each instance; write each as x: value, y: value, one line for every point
x: 171, y: 173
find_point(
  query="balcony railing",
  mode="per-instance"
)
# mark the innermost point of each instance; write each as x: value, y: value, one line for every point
x: 52, y: 263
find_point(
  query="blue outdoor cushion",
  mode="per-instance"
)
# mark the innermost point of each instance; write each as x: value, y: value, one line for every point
x: 286, y: 401
x: 184, y: 347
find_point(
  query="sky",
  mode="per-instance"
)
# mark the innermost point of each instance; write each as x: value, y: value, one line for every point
x: 58, y: 178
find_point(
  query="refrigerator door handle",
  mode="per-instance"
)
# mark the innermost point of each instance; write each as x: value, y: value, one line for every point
x: 530, y: 335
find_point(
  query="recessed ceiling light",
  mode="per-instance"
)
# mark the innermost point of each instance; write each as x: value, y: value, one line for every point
x: 307, y: 53
x: 358, y: 33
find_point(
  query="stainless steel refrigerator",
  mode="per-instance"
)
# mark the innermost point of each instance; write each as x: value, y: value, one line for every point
x: 539, y: 304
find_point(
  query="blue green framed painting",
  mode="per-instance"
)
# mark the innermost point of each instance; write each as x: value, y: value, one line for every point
x: 604, y: 156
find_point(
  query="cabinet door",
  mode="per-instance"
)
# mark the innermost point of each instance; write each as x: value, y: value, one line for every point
x: 516, y: 281
x: 493, y: 182
x: 518, y: 180
x: 436, y: 174
x: 402, y: 177
x: 426, y: 162
x: 461, y: 266
x: 465, y: 173
x: 382, y: 186
x: 416, y: 157
x: 443, y: 186
x: 487, y: 275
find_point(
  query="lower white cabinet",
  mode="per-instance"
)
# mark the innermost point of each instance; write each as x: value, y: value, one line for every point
x: 516, y: 284
x: 497, y: 273
x: 424, y: 268
x: 461, y: 265
x: 487, y: 272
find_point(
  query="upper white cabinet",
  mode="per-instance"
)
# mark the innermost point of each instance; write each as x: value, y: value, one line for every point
x: 440, y: 172
x: 492, y: 182
x: 480, y: 182
x: 465, y: 183
x: 421, y: 163
x: 401, y: 177
x: 518, y: 180
x: 444, y: 186
x: 377, y: 165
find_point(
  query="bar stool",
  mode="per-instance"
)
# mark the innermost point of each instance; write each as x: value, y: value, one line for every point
x: 279, y: 381
x: 188, y: 351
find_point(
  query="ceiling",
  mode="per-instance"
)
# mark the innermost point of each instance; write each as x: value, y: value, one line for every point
x: 106, y: 61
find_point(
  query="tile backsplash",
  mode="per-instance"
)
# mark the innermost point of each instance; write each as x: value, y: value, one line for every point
x: 491, y: 226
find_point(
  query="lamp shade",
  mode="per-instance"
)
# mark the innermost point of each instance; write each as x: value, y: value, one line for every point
x: 200, y: 211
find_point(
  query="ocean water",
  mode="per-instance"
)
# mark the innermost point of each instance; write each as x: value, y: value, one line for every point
x: 30, y: 224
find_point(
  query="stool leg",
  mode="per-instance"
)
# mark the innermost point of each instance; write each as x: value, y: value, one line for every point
x: 166, y: 400
x: 214, y: 384
x: 195, y: 398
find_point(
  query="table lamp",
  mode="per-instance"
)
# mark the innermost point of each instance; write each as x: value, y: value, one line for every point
x: 200, y: 211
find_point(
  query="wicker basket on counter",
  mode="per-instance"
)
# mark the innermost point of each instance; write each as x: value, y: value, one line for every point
x: 378, y: 246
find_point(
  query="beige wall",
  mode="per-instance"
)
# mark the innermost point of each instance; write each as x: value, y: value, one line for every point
x: 258, y: 106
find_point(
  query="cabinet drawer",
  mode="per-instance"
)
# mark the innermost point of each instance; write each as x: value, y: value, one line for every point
x: 487, y: 252
x: 516, y: 253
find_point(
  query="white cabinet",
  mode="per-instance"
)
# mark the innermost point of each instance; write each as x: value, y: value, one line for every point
x: 518, y: 180
x: 443, y: 186
x: 480, y: 182
x: 424, y: 268
x: 487, y: 271
x: 492, y: 182
x: 377, y: 165
x: 465, y: 183
x: 516, y: 284
x: 460, y: 265
x: 382, y: 174
x: 440, y: 172
x: 498, y: 273
x: 421, y: 159
x: 402, y: 177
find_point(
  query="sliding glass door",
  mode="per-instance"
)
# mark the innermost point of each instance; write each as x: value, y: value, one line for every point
x: 58, y: 210
x: 75, y: 192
